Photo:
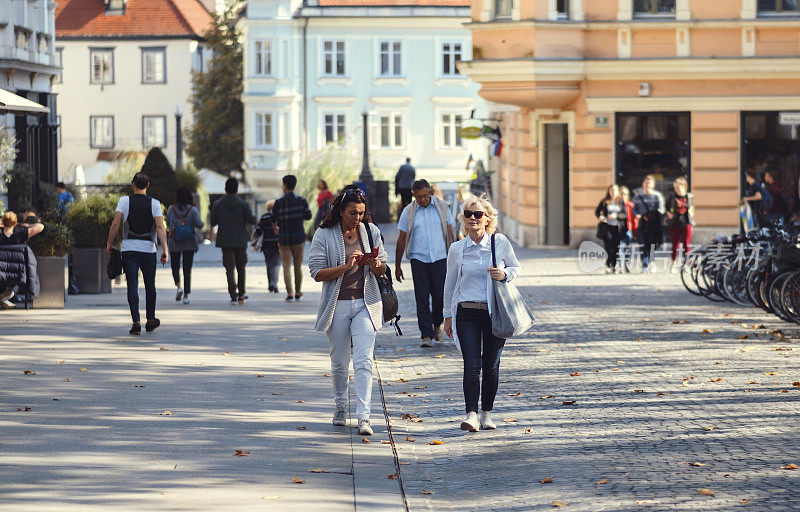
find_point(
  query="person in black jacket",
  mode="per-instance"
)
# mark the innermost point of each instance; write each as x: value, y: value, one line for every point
x: 611, y: 214
x: 14, y: 234
x: 232, y: 214
x: 269, y: 246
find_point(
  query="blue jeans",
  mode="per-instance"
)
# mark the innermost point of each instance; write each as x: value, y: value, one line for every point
x: 429, y: 294
x: 132, y: 262
x: 272, y: 258
x: 481, y: 351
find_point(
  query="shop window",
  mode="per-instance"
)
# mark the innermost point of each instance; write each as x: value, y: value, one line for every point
x: 656, y: 144
x: 654, y: 7
x: 790, y: 7
x: 771, y: 142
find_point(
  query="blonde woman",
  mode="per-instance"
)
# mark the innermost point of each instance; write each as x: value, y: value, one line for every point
x: 468, y: 295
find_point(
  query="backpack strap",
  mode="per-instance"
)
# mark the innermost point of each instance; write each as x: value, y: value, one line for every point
x: 494, y: 256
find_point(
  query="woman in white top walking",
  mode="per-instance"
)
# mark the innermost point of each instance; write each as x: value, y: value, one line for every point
x: 350, y: 309
x: 469, y: 294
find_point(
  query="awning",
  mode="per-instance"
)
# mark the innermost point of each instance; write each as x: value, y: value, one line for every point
x: 10, y: 102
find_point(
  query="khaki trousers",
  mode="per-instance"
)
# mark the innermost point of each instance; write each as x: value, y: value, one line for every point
x: 289, y: 254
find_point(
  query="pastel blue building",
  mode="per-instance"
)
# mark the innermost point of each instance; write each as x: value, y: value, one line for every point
x: 312, y: 68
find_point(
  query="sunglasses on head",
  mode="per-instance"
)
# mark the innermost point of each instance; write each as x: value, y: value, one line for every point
x: 353, y: 192
x: 469, y: 213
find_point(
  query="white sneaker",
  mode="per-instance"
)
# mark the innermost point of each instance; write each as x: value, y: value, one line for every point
x: 186, y: 299
x: 5, y: 299
x: 339, y: 418
x: 486, y: 421
x: 178, y: 294
x: 471, y: 423
x: 364, y: 428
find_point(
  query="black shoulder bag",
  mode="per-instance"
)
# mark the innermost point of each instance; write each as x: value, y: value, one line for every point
x: 388, y: 295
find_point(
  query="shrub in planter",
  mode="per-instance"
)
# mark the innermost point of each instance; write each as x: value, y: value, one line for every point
x: 55, y: 241
x: 90, y: 219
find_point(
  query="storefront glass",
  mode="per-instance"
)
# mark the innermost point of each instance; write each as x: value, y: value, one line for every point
x: 771, y: 141
x: 652, y: 143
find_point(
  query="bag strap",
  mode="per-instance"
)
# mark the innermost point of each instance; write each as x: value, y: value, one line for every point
x: 369, y: 236
x: 494, y: 256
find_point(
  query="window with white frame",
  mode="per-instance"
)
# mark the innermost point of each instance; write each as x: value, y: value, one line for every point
x: 503, y: 8
x: 391, y: 58
x: 21, y: 37
x: 450, y: 130
x: 102, y: 61
x: 263, y: 131
x: 658, y: 7
x: 388, y: 130
x: 154, y: 65
x: 44, y: 44
x: 786, y: 7
x: 451, y: 55
x: 562, y: 8
x: 59, y: 59
x: 262, y: 55
x: 154, y: 131
x: 102, y: 131
x: 335, y: 128
x: 333, y: 58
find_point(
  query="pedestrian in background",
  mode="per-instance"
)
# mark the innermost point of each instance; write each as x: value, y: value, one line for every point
x: 232, y: 214
x: 142, y: 222
x: 269, y: 246
x: 350, y: 308
x: 290, y: 211
x: 324, y: 200
x: 759, y: 199
x: 183, y: 218
x: 426, y: 232
x: 13, y: 233
x: 65, y: 197
x: 403, y: 181
x: 680, y: 215
x: 631, y: 223
x: 649, y: 208
x: 469, y: 295
x: 611, y: 214
x: 780, y: 208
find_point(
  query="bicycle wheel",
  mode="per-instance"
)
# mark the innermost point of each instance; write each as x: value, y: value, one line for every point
x: 790, y: 295
x: 687, y: 271
x: 735, y: 283
x: 774, y: 297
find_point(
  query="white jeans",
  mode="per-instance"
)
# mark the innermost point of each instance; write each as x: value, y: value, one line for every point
x: 351, y: 322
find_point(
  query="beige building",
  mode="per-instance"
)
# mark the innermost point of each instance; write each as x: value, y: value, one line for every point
x: 589, y: 93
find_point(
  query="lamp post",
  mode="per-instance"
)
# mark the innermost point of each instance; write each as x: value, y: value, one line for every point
x: 366, y: 175
x: 178, y: 138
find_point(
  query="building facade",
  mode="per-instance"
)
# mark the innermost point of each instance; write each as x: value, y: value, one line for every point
x: 313, y: 68
x: 28, y: 65
x: 127, y: 69
x: 607, y: 91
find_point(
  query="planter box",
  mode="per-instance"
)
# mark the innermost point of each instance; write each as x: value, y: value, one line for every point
x: 52, y: 273
x: 89, y: 268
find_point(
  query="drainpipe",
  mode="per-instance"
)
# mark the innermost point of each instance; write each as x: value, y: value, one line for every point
x: 305, y: 86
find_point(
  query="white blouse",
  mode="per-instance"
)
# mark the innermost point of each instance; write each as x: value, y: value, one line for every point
x: 475, y: 263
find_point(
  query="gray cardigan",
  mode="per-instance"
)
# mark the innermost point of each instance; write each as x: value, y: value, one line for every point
x: 193, y: 217
x: 327, y: 251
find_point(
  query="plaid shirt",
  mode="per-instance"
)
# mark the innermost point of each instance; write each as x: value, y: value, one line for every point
x: 290, y: 211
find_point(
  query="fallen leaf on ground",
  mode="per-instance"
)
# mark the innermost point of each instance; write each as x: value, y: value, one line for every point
x: 742, y: 337
x: 416, y: 420
x: 638, y: 391
x: 546, y: 396
x: 326, y: 375
x: 26, y: 408
x: 317, y: 470
x: 162, y: 348
x: 165, y: 413
x: 241, y: 453
x: 277, y: 393
x: 547, y: 480
x: 568, y: 402
x: 790, y: 466
x: 67, y: 380
x: 743, y: 500
x: 299, y: 402
x: 784, y: 391
x: 515, y: 394
x: 302, y: 428
x: 710, y: 428
x: 575, y: 374
x: 529, y: 431
x: 601, y: 482
x: 226, y: 353
x: 439, y: 356
x: 386, y: 442
x: 557, y: 503
x: 697, y: 464
x: 436, y: 442
x: 421, y: 387
x: 425, y: 491
x: 83, y: 370
x: 708, y: 331
x: 401, y: 380
x: 715, y: 380
x: 259, y: 376
x: 296, y: 480
x: 772, y: 373
x: 707, y: 492
x: 510, y: 420
x: 410, y: 439
x: 393, y: 476
x: 29, y: 372
x: 662, y: 393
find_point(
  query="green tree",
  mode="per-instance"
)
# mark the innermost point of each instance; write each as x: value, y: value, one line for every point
x: 216, y: 140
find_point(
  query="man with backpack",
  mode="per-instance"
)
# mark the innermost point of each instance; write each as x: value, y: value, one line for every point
x: 232, y: 214
x: 142, y: 222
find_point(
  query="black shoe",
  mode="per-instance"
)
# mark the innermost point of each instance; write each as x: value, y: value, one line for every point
x: 241, y: 300
x: 136, y: 328
x: 298, y: 295
x: 289, y: 298
x: 152, y: 325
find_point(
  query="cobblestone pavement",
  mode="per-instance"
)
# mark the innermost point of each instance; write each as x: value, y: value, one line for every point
x: 629, y: 393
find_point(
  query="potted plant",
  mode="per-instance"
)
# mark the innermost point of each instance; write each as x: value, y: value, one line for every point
x: 89, y: 220
x: 50, y: 247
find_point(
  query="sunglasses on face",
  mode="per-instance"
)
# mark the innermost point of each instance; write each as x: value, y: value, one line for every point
x: 469, y: 213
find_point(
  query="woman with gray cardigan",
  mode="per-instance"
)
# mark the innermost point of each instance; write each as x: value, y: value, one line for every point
x: 182, y: 219
x: 350, y: 308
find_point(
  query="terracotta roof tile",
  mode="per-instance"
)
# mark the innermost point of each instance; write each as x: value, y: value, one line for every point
x: 87, y: 18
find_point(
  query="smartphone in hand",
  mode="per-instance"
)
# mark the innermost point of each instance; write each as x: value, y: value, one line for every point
x: 362, y: 260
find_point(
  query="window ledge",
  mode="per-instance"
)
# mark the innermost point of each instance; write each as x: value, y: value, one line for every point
x: 650, y: 16
x: 775, y: 14
x: 335, y: 80
x: 388, y: 151
x: 264, y: 79
x: 461, y: 80
x: 391, y: 80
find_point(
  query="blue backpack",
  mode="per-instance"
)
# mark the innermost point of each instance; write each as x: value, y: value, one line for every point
x: 182, y: 228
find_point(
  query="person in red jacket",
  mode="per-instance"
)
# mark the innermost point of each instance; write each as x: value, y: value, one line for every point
x: 629, y: 236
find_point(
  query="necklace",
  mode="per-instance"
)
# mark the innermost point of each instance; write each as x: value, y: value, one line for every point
x: 348, y: 235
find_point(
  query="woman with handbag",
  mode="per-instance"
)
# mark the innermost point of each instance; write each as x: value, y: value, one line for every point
x: 612, y: 216
x: 350, y: 308
x: 182, y: 218
x: 469, y: 296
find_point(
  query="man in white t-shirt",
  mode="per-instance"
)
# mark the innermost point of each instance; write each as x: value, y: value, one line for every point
x: 142, y: 221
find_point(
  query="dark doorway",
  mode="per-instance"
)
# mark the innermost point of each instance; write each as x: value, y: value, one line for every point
x: 556, y: 185
x: 769, y: 145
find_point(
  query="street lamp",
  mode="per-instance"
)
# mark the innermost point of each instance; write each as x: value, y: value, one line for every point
x: 366, y: 175
x: 178, y: 138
